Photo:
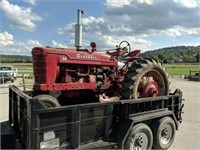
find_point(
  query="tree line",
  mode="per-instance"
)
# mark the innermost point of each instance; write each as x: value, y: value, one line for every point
x: 177, y: 54
x: 15, y: 59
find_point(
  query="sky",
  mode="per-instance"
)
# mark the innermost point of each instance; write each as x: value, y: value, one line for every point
x: 145, y: 24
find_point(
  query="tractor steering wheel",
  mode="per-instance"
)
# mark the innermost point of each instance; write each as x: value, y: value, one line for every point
x: 125, y: 46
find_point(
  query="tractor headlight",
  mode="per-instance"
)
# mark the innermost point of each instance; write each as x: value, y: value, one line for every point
x: 49, y: 141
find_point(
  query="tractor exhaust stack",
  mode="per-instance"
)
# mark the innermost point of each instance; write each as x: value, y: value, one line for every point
x: 78, y: 30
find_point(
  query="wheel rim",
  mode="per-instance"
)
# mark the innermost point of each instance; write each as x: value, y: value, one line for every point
x: 166, y: 134
x: 151, y: 83
x: 139, y: 142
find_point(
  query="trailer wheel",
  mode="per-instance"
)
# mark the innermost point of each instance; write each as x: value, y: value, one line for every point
x: 163, y: 133
x: 140, y: 138
x: 48, y: 100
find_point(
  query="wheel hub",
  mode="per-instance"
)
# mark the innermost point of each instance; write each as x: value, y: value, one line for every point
x: 166, y: 134
x: 148, y: 87
x: 140, y: 142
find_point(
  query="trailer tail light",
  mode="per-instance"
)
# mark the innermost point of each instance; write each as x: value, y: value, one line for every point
x: 49, y: 141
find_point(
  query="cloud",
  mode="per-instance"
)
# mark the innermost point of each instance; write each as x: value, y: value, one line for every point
x: 173, y: 32
x: 187, y: 3
x: 68, y: 29
x: 160, y: 15
x: 136, y: 42
x: 90, y: 24
x: 193, y: 32
x: 31, y: 43
x: 91, y: 20
x: 6, y: 39
x: 138, y: 20
x: 106, y: 35
x: 56, y: 44
x: 9, y: 46
x: 148, y: 2
x: 117, y: 3
x: 21, y: 18
x: 33, y: 2
x: 178, y: 31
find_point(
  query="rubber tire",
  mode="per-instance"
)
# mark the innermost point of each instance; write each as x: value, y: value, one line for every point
x: 156, y: 127
x: 140, y: 128
x: 48, y: 100
x: 136, y: 71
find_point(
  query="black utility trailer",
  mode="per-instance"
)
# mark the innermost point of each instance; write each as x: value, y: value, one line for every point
x: 135, y: 123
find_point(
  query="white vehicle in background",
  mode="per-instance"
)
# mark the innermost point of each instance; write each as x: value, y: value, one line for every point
x: 7, y: 73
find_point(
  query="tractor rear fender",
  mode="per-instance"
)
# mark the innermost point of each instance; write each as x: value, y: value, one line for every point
x: 135, y: 53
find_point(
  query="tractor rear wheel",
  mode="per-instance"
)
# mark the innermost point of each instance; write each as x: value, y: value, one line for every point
x: 47, y: 100
x: 145, y: 78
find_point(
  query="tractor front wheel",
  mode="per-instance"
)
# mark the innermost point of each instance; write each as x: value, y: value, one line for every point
x: 47, y: 100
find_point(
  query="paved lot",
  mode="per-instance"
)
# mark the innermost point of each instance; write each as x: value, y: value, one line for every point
x: 188, y: 136
x: 4, y: 98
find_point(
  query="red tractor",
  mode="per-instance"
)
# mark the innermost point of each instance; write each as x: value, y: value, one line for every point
x: 68, y: 73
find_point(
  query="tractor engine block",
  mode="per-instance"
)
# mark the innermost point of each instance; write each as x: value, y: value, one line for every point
x: 101, y: 75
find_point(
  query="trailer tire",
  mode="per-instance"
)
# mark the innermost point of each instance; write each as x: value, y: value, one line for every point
x: 163, y: 133
x: 48, y: 100
x: 140, y: 137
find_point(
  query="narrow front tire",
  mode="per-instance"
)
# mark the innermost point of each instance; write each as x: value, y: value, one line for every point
x: 48, y: 100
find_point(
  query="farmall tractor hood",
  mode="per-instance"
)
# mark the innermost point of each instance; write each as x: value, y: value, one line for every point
x: 72, y: 56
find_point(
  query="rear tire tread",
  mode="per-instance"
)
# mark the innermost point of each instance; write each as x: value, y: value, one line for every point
x: 134, y: 73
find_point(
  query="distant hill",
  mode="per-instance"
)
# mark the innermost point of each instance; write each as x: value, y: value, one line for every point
x: 15, y: 59
x: 177, y: 53
x: 184, y: 53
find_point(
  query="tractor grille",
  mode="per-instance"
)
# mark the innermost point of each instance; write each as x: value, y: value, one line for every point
x: 39, y: 67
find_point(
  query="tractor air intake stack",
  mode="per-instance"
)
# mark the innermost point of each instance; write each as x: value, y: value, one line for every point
x: 78, y: 30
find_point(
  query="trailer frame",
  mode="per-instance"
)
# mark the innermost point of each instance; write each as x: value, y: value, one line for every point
x: 86, y: 126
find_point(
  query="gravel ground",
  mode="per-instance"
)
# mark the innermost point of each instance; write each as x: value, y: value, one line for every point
x: 188, y: 136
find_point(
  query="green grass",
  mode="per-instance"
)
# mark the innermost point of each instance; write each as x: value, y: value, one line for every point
x: 181, y: 69
x: 172, y: 69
